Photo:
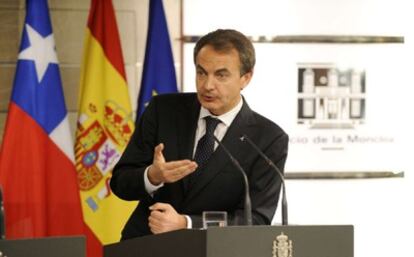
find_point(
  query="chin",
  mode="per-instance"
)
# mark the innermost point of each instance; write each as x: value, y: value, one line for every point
x: 207, y: 105
x: 210, y: 106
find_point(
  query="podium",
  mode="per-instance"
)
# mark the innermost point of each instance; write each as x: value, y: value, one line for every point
x: 243, y: 241
x: 44, y: 247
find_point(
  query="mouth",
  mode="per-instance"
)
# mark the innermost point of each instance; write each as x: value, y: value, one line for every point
x: 208, y: 98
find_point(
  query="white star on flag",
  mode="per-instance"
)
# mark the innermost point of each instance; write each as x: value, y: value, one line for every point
x: 41, y: 51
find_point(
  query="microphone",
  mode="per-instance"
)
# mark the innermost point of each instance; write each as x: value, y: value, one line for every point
x: 282, y: 177
x: 247, y: 201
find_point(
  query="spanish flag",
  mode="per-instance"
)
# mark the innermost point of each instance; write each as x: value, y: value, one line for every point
x: 105, y: 124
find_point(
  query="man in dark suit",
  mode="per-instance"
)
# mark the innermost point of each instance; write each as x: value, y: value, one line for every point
x: 167, y: 166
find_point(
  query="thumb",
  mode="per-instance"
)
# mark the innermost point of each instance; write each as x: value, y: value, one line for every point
x: 158, y: 156
x: 162, y: 207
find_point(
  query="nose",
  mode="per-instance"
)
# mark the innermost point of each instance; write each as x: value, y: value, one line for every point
x: 209, y: 83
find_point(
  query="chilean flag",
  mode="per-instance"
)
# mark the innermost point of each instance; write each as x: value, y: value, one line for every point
x: 37, y: 171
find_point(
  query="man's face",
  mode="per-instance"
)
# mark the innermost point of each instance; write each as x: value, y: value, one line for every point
x: 218, y: 79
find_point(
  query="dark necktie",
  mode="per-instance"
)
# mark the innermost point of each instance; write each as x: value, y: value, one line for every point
x: 205, y: 146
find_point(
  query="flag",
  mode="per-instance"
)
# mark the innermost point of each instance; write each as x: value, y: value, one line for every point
x: 37, y: 172
x: 104, y: 124
x: 158, y: 76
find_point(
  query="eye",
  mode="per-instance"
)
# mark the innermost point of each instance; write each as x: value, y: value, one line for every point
x: 200, y: 72
x: 222, y: 75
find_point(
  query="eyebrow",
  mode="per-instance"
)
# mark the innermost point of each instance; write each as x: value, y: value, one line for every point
x: 222, y: 70
x: 216, y: 71
x: 201, y: 68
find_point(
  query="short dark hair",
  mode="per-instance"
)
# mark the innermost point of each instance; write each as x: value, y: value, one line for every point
x: 226, y: 40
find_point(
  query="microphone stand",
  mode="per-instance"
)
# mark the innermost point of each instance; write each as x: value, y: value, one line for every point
x: 282, y: 177
x: 247, y: 201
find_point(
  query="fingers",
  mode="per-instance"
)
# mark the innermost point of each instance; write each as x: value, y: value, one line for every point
x: 158, y: 217
x: 155, y: 225
x: 168, y: 172
x: 155, y: 221
x: 179, y: 169
x: 179, y: 173
x: 161, y: 207
x: 164, y: 218
x: 181, y: 164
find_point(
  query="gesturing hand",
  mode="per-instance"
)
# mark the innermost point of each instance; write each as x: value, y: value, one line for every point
x: 167, y: 172
x: 164, y: 218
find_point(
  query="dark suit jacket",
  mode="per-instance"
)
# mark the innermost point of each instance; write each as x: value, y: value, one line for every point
x: 172, y: 120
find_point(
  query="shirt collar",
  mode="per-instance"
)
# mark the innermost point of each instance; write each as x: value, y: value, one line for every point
x: 226, y: 118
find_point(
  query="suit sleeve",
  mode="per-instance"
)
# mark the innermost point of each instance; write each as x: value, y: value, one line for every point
x: 127, y: 180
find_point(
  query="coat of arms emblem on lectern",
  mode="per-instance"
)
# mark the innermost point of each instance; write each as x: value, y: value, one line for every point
x: 282, y: 246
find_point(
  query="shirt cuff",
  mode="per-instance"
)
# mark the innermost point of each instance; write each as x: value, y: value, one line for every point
x: 149, y: 187
x: 189, y: 221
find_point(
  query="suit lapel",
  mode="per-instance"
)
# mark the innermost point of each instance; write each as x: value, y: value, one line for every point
x: 187, y: 125
x: 219, y: 159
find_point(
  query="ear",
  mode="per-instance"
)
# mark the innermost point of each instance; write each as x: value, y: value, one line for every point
x: 246, y: 79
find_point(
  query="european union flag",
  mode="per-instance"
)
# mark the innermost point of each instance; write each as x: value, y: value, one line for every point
x: 158, y: 76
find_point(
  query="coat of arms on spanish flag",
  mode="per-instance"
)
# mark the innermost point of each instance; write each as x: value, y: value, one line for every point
x: 105, y: 124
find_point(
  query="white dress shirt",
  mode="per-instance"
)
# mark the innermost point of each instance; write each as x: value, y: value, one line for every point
x: 221, y: 129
